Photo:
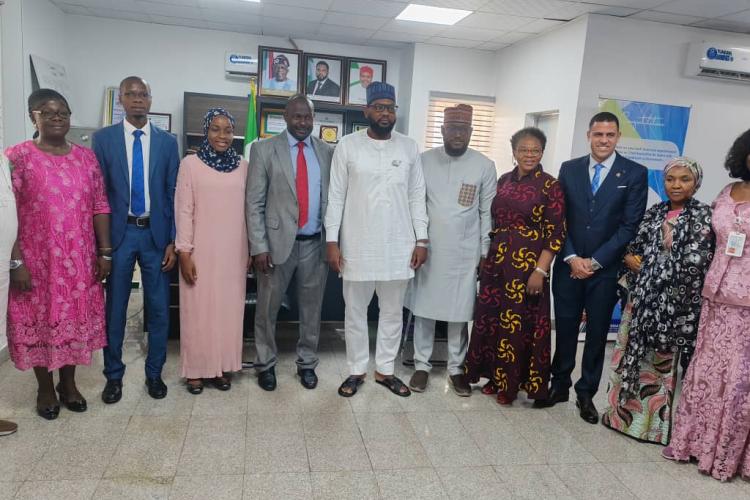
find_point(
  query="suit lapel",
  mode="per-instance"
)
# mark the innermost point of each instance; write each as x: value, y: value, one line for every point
x: 281, y: 147
x: 153, y: 152
x: 609, y: 184
x: 122, y: 159
x: 324, y: 164
x: 584, y: 182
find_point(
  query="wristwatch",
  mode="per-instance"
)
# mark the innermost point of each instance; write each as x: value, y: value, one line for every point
x: 15, y: 264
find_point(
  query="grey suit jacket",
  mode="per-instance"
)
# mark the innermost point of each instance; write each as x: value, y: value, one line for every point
x: 271, y: 196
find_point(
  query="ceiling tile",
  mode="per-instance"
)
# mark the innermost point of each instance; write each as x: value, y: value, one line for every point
x: 120, y: 14
x: 665, y: 17
x: 451, y: 42
x: 453, y: 4
x: 464, y: 33
x: 634, y: 4
x: 616, y: 11
x: 702, y: 8
x: 528, y: 8
x: 230, y: 5
x: 169, y: 10
x: 396, y: 36
x: 178, y: 21
x: 188, y: 3
x: 73, y: 9
x: 344, y: 31
x: 572, y: 11
x: 354, y: 20
x: 237, y: 28
x: 414, y: 27
x: 724, y: 25
x: 498, y: 22
x: 232, y: 17
x: 512, y: 37
x: 741, y: 17
x: 298, y: 13
x: 492, y: 46
x: 378, y: 8
x: 123, y: 5
x: 310, y: 4
x: 539, y: 26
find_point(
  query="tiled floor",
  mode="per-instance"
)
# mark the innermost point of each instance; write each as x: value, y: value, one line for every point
x: 294, y: 443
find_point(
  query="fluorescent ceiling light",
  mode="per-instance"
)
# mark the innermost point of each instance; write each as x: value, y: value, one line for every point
x: 435, y: 15
x: 253, y: 1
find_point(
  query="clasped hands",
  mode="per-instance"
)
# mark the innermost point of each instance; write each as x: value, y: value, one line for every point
x: 580, y: 268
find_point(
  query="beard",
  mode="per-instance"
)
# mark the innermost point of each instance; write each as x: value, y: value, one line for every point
x: 380, y: 130
x: 455, y: 152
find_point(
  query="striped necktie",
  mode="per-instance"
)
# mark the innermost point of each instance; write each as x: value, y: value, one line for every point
x: 597, y: 177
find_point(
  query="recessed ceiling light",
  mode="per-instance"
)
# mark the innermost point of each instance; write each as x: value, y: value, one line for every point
x: 253, y: 1
x: 429, y: 14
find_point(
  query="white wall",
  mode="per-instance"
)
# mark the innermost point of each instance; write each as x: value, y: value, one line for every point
x: 541, y: 74
x: 445, y: 69
x: 643, y: 60
x: 173, y: 59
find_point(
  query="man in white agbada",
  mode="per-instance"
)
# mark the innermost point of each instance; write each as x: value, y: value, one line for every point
x: 461, y: 184
x: 376, y: 211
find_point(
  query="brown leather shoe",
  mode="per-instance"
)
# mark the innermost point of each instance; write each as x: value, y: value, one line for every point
x: 460, y: 386
x: 418, y: 381
x: 7, y: 428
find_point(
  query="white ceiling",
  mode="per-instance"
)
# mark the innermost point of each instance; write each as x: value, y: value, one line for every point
x: 494, y: 24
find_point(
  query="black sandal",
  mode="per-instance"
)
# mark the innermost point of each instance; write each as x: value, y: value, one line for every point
x: 394, y: 384
x: 195, y: 388
x: 222, y: 383
x: 352, y: 383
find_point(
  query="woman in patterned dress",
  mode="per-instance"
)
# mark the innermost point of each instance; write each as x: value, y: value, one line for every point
x: 666, y: 264
x: 61, y: 255
x: 712, y: 423
x: 510, y: 341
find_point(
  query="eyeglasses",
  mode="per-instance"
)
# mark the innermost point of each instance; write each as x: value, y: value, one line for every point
x: 48, y: 115
x: 133, y: 95
x: 529, y: 152
x: 380, y: 108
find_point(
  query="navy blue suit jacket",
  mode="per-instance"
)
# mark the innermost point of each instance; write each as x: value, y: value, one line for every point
x: 601, y: 225
x: 164, y: 160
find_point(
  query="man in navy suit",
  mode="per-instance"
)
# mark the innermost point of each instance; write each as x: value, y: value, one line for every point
x: 139, y: 162
x: 605, y: 197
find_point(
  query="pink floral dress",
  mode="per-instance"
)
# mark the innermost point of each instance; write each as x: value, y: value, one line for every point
x: 61, y: 320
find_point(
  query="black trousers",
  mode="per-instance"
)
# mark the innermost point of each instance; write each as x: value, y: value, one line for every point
x: 597, y: 296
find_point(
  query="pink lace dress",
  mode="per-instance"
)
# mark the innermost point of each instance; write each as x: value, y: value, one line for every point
x: 712, y: 423
x: 61, y: 320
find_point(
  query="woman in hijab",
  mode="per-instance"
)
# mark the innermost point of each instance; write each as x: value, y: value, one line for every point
x: 666, y: 265
x: 213, y: 254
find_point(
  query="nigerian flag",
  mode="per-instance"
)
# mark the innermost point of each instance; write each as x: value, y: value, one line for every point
x: 251, y: 128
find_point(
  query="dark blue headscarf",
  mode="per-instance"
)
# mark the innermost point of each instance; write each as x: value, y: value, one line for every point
x: 222, y: 162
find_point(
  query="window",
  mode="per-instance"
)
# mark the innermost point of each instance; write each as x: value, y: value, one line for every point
x: 483, y: 120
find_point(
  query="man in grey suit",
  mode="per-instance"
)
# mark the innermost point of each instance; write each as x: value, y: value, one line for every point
x: 287, y: 193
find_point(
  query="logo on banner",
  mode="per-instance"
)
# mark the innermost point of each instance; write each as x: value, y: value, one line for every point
x: 719, y: 54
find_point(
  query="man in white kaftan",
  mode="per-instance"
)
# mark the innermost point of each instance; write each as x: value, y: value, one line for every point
x: 461, y: 184
x: 376, y: 212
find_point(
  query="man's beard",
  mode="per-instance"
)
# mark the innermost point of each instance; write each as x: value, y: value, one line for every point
x: 455, y: 152
x: 380, y: 130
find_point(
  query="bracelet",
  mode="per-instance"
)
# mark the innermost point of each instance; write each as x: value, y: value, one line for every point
x: 542, y: 272
x: 106, y: 257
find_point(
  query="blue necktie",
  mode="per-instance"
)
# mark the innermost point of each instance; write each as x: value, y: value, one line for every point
x: 597, y: 177
x: 137, y: 192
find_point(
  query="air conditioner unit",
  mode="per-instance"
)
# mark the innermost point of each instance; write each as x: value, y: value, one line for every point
x: 239, y: 65
x: 718, y: 61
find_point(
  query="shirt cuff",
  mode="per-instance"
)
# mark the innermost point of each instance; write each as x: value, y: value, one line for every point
x: 595, y: 265
x: 421, y: 233
x: 569, y: 258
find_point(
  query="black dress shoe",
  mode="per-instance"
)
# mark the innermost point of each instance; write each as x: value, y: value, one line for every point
x: 78, y: 406
x: 267, y: 379
x: 157, y: 389
x: 112, y: 392
x: 307, y: 378
x: 555, y: 396
x: 50, y: 413
x: 587, y: 410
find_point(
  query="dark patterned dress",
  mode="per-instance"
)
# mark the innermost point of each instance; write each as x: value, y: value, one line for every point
x: 510, y: 341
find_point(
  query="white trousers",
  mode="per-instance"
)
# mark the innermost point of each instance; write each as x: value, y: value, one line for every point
x: 424, y: 339
x: 357, y: 296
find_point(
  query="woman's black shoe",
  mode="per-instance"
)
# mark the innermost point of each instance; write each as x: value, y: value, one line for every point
x: 221, y: 383
x: 77, y: 406
x: 195, y: 388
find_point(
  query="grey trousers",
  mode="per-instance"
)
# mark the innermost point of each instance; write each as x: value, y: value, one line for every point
x: 424, y: 339
x: 311, y: 271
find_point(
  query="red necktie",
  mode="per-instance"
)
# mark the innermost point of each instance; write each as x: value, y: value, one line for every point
x: 302, y: 195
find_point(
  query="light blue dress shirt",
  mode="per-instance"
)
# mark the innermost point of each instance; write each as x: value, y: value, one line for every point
x: 313, y: 183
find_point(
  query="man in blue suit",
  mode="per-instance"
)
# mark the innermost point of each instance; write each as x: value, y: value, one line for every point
x: 139, y: 162
x: 605, y: 197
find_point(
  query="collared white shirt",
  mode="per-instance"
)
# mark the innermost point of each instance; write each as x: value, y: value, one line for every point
x: 319, y: 85
x: 146, y: 147
x: 607, y: 164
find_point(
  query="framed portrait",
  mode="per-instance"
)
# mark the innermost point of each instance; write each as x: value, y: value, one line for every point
x: 328, y: 126
x: 323, y: 80
x: 361, y: 73
x: 161, y: 120
x: 279, y: 71
x: 271, y: 122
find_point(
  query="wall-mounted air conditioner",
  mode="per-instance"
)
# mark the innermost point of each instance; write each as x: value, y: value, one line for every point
x: 718, y: 61
x: 240, y: 65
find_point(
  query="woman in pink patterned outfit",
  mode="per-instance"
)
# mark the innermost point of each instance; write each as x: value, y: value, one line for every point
x: 56, y: 306
x: 712, y: 423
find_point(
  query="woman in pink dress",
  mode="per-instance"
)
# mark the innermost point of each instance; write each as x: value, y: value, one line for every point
x: 214, y: 256
x: 61, y: 255
x: 712, y: 423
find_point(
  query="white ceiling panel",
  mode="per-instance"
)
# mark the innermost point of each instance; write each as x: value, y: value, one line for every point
x: 703, y: 8
x: 452, y: 42
x: 169, y: 10
x: 230, y: 5
x: 665, y: 17
x: 79, y: 10
x: 236, y: 28
x: 464, y: 33
x: 378, y: 8
x: 489, y: 21
x: 453, y: 4
x: 120, y: 14
x: 539, y: 26
x: 512, y: 37
x: 724, y: 25
x: 236, y: 18
x: 310, y: 4
x: 413, y: 27
x: 178, y: 21
x: 527, y: 8
x: 635, y: 4
x: 345, y: 32
x: 188, y: 3
x: 354, y: 20
x: 492, y: 46
x: 740, y: 17
x: 573, y: 11
x: 616, y: 11
x: 123, y: 5
x: 313, y: 16
x: 395, y: 36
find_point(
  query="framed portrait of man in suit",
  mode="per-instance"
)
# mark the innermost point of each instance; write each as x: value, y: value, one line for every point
x: 279, y: 71
x: 361, y: 73
x: 323, y: 80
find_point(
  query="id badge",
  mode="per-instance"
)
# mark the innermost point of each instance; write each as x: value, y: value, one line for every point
x: 735, y: 244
